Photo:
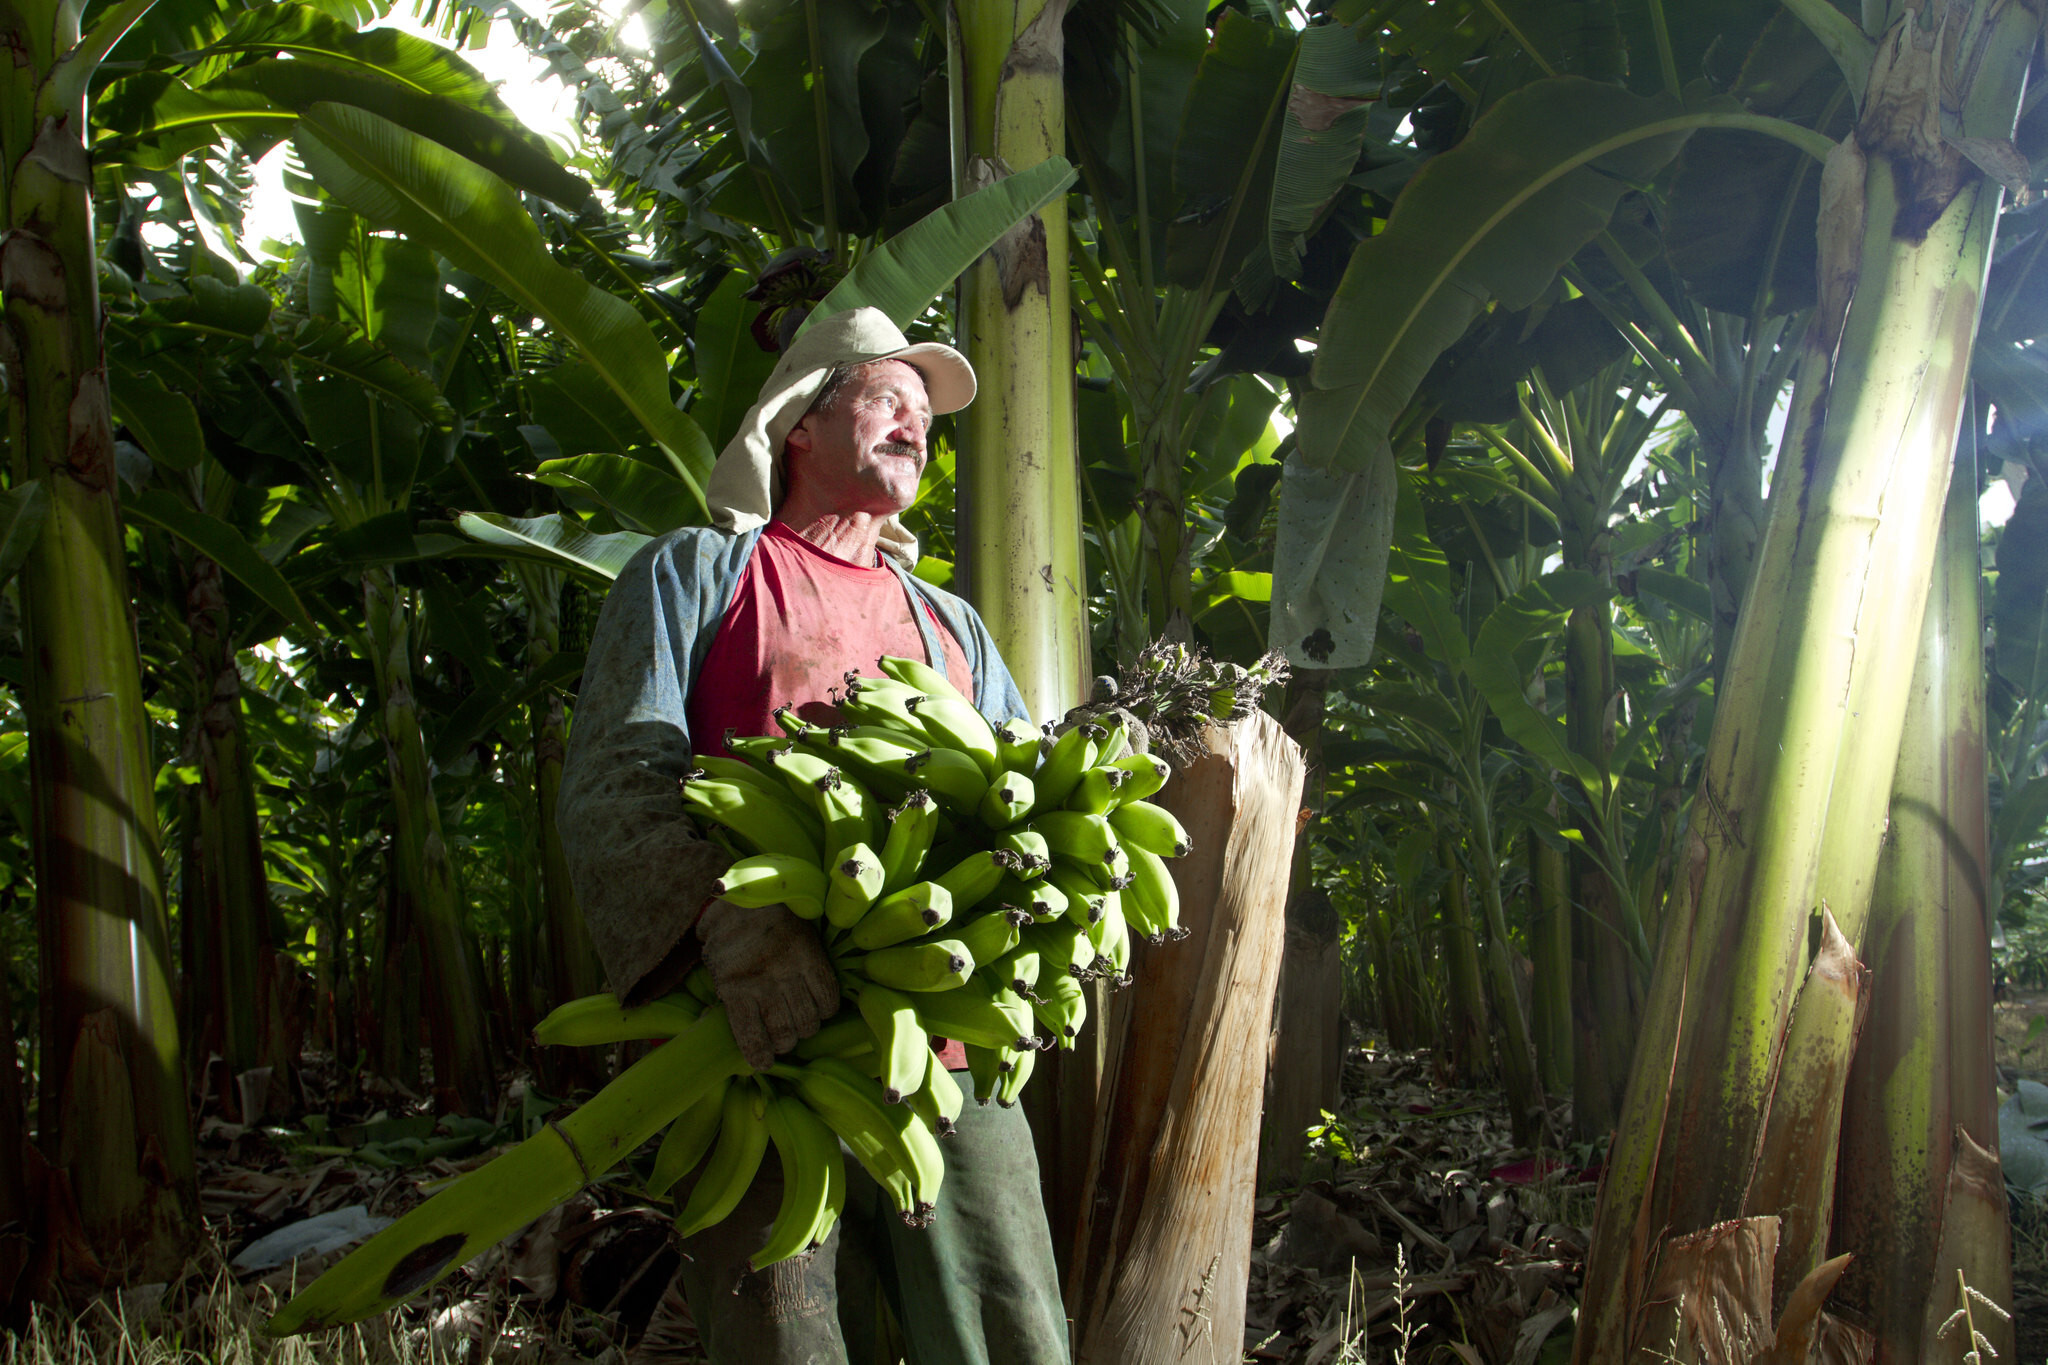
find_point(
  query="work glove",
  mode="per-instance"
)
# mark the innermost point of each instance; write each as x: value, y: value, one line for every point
x: 770, y: 971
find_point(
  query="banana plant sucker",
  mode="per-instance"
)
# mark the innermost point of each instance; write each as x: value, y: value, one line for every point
x: 1791, y: 806
x: 113, y: 1113
x: 1019, y: 485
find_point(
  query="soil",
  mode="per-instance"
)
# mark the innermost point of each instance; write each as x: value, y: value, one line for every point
x: 1420, y: 1232
x: 2019, y: 1024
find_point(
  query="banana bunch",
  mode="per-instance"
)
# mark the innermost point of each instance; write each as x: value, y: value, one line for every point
x: 966, y: 879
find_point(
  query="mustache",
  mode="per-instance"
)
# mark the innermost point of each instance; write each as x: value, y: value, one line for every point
x: 896, y: 448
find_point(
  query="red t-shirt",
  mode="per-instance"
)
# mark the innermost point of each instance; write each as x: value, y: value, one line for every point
x: 799, y: 620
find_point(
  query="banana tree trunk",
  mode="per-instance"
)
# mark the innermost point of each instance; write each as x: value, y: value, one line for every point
x: 572, y: 966
x: 1790, y: 812
x: 1018, y: 504
x: 1550, y: 949
x: 1527, y: 1111
x: 463, y: 1075
x: 1919, y: 1126
x: 1605, y: 993
x: 15, y: 1212
x: 113, y: 1114
x: 1019, y: 501
x: 1466, y: 1024
x: 231, y: 893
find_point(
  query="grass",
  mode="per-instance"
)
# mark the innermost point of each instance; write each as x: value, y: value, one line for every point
x: 215, y: 1321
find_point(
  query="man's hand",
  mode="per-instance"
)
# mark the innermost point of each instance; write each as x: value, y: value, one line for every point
x: 770, y: 971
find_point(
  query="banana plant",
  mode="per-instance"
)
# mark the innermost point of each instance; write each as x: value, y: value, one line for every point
x: 110, y: 1021
x: 1874, y: 419
x: 1438, y: 715
x: 1572, y: 453
x: 1560, y: 152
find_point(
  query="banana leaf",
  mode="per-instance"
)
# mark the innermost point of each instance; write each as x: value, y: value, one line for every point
x: 1335, y: 79
x: 903, y: 275
x: 398, y: 179
x: 639, y: 495
x: 1495, y: 666
x: 225, y: 546
x: 560, y: 541
x: 731, y: 366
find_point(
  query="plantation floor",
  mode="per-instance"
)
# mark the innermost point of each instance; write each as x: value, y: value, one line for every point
x: 1420, y: 1233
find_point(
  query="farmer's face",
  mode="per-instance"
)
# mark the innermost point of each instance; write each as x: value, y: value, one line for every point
x: 866, y: 454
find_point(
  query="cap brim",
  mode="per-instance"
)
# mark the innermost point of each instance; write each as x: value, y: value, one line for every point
x: 948, y: 378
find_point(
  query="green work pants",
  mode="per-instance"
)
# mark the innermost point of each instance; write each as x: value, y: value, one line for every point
x: 975, y: 1287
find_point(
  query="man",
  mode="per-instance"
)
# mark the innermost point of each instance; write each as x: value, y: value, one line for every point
x: 803, y: 576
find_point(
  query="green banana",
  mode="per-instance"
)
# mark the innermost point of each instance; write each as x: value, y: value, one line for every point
x: 982, y: 1012
x: 1018, y: 969
x: 975, y: 877
x: 850, y: 814
x: 881, y: 702
x: 900, y: 1040
x: 1062, y: 947
x: 1072, y: 754
x: 805, y: 774
x: 1062, y: 1009
x: 878, y: 762
x: 498, y: 1199
x: 845, y: 1035
x: 954, y: 778
x: 1100, y: 931
x: 987, y: 1066
x: 809, y: 1153
x: 1017, y: 745
x: 1033, y: 850
x: 700, y: 986
x: 933, y: 965
x: 1084, y: 838
x: 742, y: 1142
x: 852, y: 883
x: 774, y: 879
x: 795, y: 726
x: 1007, y: 800
x: 1148, y: 774
x: 1084, y: 897
x: 1095, y: 793
x: 1152, y: 828
x: 888, y: 1140
x: 912, y: 827
x: 1152, y: 900
x: 1012, y: 1084
x: 1114, y: 957
x: 937, y: 1101
x: 746, y: 775
x: 953, y: 722
x: 686, y: 1141
x: 987, y: 936
x: 765, y: 824
x: 1039, y: 899
x: 754, y: 749
x: 1115, y: 744
x: 1107, y: 874
x: 600, y: 1020
x: 919, y: 676
x: 913, y: 912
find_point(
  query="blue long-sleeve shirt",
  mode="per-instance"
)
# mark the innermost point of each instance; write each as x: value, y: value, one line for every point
x: 640, y: 866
